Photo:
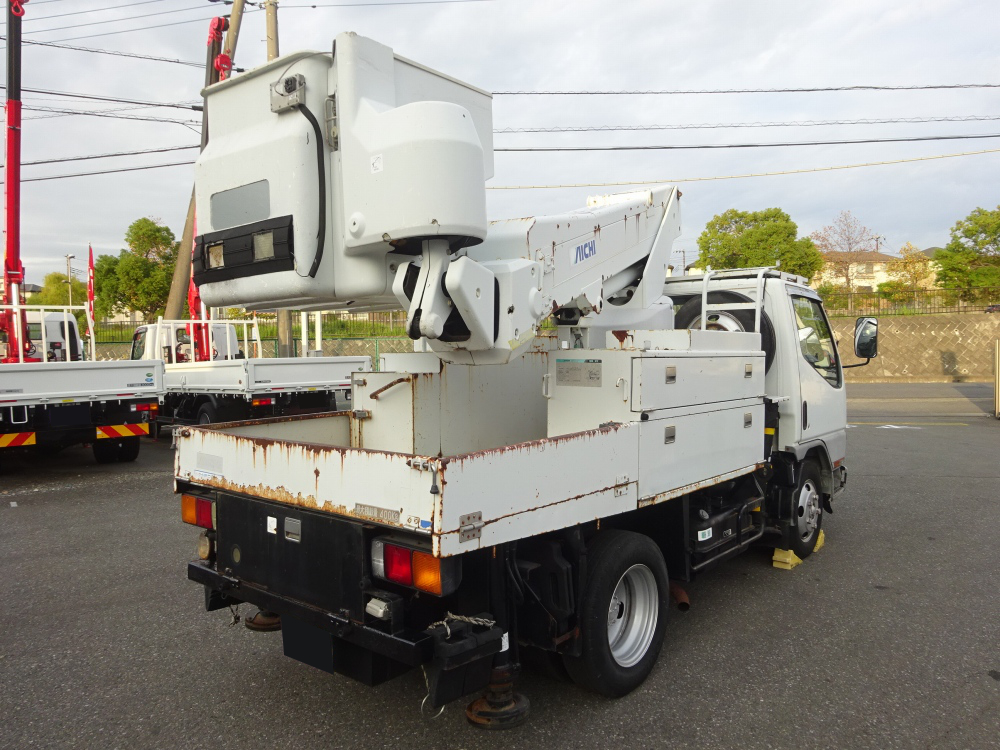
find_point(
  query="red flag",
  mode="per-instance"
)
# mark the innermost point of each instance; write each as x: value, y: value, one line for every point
x: 90, y: 288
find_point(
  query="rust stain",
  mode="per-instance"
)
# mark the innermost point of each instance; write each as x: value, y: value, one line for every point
x: 699, y: 485
x: 621, y: 336
x: 540, y: 444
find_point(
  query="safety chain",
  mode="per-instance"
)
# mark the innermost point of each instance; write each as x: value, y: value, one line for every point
x: 480, y: 621
x: 235, y: 612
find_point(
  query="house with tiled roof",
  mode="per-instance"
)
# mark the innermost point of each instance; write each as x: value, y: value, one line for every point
x: 867, y: 269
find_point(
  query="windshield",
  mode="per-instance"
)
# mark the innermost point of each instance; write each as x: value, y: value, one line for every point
x: 138, y: 344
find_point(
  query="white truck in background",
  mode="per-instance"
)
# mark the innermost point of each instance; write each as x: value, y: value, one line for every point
x: 238, y: 383
x: 58, y: 402
x: 492, y: 492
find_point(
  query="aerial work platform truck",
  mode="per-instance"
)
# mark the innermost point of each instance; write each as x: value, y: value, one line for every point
x: 495, y: 492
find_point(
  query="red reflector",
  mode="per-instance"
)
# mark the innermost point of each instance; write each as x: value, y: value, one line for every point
x: 203, y: 513
x: 142, y: 407
x: 397, y: 565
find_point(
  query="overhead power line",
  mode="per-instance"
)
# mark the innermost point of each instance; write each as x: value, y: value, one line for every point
x: 809, y: 90
x: 678, y: 147
x: 108, y: 156
x: 717, y: 125
x: 116, y: 53
x: 675, y: 180
x: 602, y: 184
x: 113, y: 114
x: 107, y: 171
x: 148, y: 28
x: 116, y: 20
x: 402, y: 2
x: 113, y: 99
x: 31, y: 18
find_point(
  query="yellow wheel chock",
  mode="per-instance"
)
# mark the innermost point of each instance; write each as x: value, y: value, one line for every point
x: 786, y: 559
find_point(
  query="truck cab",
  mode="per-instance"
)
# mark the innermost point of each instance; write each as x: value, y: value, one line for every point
x: 61, y: 340
x: 172, y: 342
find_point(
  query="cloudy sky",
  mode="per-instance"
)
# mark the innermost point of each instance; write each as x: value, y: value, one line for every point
x: 586, y: 45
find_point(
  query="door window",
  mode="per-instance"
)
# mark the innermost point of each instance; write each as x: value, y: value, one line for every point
x: 816, y: 340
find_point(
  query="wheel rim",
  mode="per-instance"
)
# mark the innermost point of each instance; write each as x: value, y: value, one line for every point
x: 632, y: 615
x: 719, y: 321
x: 809, y: 511
x: 203, y: 419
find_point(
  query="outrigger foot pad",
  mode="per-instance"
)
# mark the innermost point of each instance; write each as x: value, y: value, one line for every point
x: 500, y: 707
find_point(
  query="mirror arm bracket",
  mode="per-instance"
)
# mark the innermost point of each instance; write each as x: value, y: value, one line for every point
x: 860, y: 364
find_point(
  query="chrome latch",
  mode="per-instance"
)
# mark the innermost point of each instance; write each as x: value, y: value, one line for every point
x: 671, y: 375
x: 748, y: 371
x: 747, y: 419
x: 470, y: 526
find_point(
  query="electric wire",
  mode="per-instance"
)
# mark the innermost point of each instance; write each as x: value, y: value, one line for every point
x: 402, y: 2
x: 115, y: 115
x: 808, y: 90
x: 109, y: 156
x: 623, y: 183
x: 146, y: 28
x: 117, y: 20
x: 703, y: 146
x: 722, y: 126
x: 116, y: 53
x: 810, y: 170
x: 29, y: 19
x: 113, y: 99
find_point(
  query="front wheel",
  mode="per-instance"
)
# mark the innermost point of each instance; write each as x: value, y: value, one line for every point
x: 807, y: 511
x: 623, y: 614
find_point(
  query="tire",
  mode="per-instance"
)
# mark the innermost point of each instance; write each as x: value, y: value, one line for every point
x: 207, y: 414
x: 105, y: 451
x: 807, y: 511
x: 128, y: 449
x: 689, y: 316
x: 622, y: 614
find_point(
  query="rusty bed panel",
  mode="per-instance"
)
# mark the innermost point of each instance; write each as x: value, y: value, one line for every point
x: 386, y: 488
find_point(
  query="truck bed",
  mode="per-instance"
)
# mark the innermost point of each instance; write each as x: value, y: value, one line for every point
x: 478, y: 499
x: 263, y: 375
x: 36, y: 383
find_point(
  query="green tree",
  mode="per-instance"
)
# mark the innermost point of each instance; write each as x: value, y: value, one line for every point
x: 139, y: 278
x: 747, y: 239
x: 912, y: 269
x: 55, y: 291
x: 971, y: 260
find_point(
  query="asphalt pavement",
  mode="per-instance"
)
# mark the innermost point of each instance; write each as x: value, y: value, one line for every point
x: 889, y: 637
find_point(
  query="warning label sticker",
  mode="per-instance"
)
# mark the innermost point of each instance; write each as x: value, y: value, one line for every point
x: 584, y: 373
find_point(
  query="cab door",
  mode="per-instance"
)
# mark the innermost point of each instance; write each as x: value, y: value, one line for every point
x: 823, y: 405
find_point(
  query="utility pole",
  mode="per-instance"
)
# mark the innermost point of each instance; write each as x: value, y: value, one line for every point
x: 69, y: 278
x: 284, y: 316
x: 182, y: 270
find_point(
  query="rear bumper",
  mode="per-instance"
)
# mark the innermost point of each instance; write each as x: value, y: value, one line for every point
x: 410, y: 647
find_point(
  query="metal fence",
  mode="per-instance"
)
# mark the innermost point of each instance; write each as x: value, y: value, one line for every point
x: 909, y: 301
x: 334, y: 325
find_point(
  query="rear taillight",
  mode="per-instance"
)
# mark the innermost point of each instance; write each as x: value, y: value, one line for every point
x: 198, y: 511
x: 267, y: 401
x: 396, y: 561
x: 145, y: 407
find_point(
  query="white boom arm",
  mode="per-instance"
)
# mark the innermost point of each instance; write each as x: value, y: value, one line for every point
x: 362, y: 186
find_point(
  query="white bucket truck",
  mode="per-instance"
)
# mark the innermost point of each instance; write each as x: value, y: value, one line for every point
x: 493, y: 491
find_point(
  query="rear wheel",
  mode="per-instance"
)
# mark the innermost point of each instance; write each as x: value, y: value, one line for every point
x: 623, y: 613
x: 105, y: 451
x: 207, y: 414
x: 807, y: 511
x: 128, y: 449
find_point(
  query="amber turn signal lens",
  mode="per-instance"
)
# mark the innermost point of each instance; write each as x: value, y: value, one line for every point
x: 427, y: 573
x: 189, y: 513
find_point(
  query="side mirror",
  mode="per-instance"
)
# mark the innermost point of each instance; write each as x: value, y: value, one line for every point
x: 866, y: 338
